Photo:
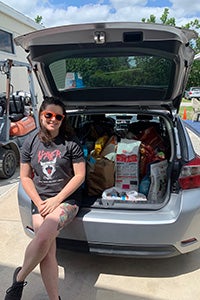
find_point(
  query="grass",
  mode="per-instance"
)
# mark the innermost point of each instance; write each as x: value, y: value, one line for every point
x: 189, y: 110
x: 186, y: 101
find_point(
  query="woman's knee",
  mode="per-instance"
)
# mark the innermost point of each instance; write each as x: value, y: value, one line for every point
x: 37, y: 220
x: 43, y: 240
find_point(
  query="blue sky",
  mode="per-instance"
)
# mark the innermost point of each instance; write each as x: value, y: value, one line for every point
x: 152, y: 3
x: 63, y: 12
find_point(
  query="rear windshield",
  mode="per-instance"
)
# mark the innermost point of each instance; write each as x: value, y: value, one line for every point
x: 119, y: 71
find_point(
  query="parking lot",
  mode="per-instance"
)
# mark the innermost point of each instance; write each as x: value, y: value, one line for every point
x: 84, y: 276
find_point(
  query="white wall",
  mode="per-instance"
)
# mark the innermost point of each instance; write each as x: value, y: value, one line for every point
x: 16, y: 23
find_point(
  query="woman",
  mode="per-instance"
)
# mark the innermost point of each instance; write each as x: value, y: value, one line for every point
x: 52, y: 171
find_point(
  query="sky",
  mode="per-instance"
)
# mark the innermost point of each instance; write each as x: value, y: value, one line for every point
x: 64, y: 12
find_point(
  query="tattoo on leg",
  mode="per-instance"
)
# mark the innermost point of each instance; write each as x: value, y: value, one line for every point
x: 68, y: 213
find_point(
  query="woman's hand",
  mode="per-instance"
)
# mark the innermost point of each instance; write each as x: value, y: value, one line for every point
x: 48, y: 206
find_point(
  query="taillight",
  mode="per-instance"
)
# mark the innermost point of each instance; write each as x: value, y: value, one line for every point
x: 190, y: 174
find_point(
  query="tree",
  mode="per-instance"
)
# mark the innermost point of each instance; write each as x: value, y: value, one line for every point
x: 194, y: 77
x: 164, y: 18
x: 38, y: 19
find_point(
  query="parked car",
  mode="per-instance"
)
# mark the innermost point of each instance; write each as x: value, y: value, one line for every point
x: 142, y: 189
x: 193, y: 92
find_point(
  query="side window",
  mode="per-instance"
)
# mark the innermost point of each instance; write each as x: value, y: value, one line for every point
x: 6, y: 42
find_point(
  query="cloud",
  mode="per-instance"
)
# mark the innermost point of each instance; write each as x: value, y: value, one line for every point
x: 117, y: 4
x: 87, y: 13
x: 186, y: 8
x: 114, y: 10
x: 23, y: 6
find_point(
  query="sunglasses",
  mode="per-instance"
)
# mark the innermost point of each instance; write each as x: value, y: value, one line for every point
x: 50, y: 115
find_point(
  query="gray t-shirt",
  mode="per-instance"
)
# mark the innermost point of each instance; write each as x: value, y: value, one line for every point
x: 52, y: 164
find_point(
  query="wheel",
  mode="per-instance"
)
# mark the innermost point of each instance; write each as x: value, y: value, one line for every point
x: 8, y: 163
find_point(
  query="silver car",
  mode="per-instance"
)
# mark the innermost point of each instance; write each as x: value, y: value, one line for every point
x: 193, y: 92
x: 122, y: 84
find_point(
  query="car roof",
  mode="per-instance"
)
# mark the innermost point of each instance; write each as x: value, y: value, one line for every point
x: 131, y: 41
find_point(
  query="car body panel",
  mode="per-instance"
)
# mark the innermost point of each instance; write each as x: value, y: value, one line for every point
x: 135, y: 227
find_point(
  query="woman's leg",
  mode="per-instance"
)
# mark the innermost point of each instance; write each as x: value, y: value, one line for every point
x: 49, y: 265
x: 42, y: 248
x: 46, y: 231
x: 39, y: 246
x: 50, y: 279
x: 49, y: 272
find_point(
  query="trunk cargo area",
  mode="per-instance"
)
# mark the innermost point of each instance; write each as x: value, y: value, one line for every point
x: 127, y: 158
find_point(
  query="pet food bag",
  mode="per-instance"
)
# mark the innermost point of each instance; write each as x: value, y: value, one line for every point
x: 127, y: 164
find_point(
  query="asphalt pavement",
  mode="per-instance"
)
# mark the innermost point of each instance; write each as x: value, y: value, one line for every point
x: 195, y: 126
x: 8, y: 184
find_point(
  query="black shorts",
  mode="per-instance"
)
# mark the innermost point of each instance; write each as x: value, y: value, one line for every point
x: 35, y: 211
x: 75, y: 198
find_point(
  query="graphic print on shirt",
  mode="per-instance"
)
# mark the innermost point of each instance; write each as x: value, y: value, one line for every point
x: 47, y: 161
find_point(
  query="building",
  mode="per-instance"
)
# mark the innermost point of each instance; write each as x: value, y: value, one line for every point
x: 13, y: 24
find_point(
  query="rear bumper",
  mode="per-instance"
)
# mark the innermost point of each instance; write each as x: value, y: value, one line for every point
x: 172, y: 230
x: 117, y: 250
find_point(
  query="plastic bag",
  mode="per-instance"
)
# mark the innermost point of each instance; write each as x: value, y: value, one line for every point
x: 121, y: 194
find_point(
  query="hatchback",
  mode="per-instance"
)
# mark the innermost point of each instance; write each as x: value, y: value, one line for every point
x: 122, y: 84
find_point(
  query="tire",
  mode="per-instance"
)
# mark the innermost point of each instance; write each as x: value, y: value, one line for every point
x: 8, y: 163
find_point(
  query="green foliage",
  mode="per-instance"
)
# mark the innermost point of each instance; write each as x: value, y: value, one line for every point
x: 38, y: 19
x: 164, y: 18
x: 195, y: 25
x: 189, y: 110
x: 154, y: 71
x: 121, y: 71
x: 99, y: 71
x: 152, y: 19
x: 194, y: 77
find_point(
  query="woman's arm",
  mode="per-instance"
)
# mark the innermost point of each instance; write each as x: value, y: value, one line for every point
x: 75, y: 182
x: 28, y: 184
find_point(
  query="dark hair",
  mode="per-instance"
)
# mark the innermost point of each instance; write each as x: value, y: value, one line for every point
x: 65, y: 129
